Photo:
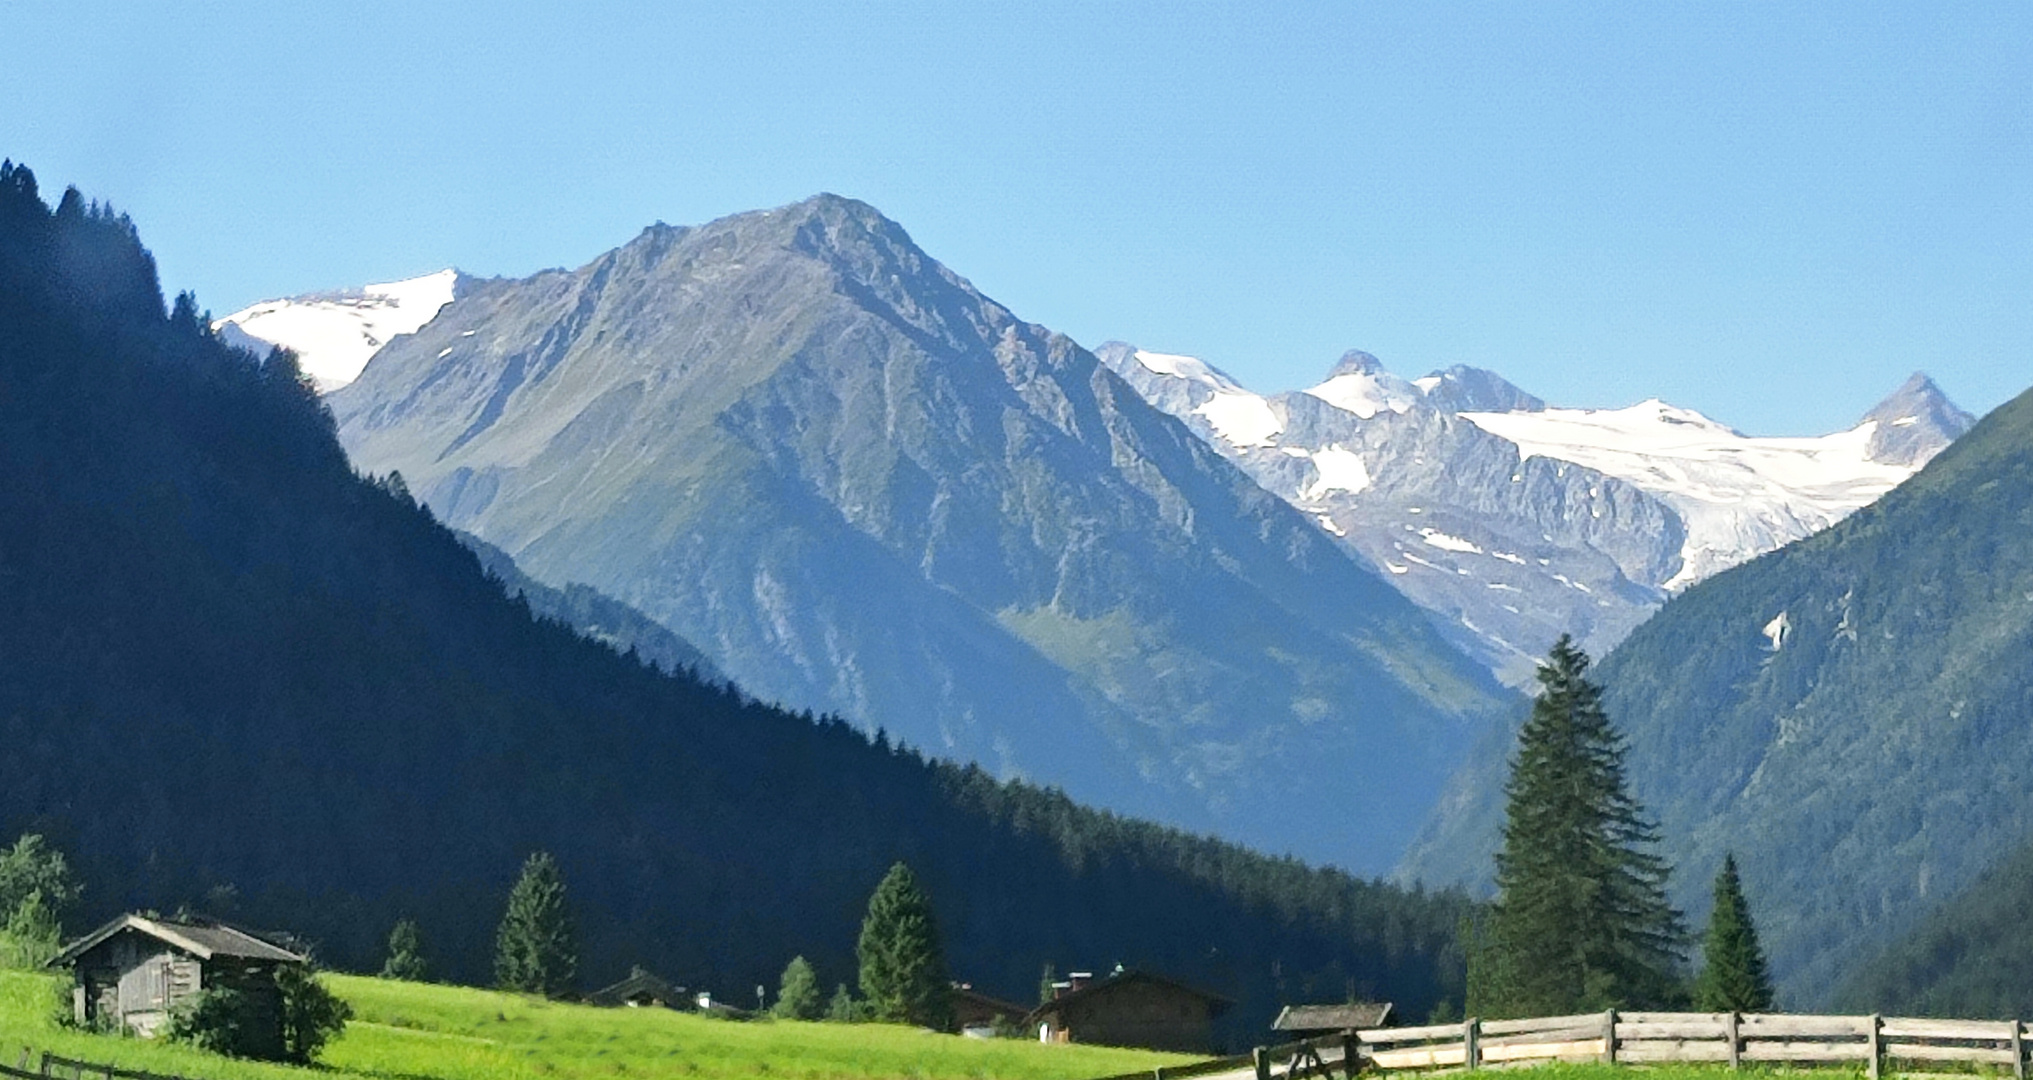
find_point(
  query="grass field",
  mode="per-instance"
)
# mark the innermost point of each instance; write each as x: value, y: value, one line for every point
x: 410, y: 1031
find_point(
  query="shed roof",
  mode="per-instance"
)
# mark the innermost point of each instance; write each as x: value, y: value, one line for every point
x: 1350, y: 1016
x: 1217, y: 1004
x: 205, y: 939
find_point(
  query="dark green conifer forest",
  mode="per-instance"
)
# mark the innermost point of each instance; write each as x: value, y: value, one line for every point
x: 242, y: 678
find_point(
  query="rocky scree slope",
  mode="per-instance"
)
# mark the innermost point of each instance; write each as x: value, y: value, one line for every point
x: 864, y: 488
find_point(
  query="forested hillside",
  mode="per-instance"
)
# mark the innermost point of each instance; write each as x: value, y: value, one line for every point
x: 240, y: 677
x: 1969, y: 957
x: 1851, y: 715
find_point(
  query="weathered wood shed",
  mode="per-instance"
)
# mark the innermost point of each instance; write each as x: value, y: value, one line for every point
x: 131, y: 972
x: 1132, y: 1008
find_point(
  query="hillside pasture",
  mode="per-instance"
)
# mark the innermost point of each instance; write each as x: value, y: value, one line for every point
x: 415, y: 1031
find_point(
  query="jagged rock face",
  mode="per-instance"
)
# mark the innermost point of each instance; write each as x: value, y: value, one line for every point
x: 862, y: 487
x: 1915, y: 423
x: 1514, y: 523
x: 1507, y: 552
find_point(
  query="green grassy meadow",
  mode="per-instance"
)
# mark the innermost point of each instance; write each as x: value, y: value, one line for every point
x: 413, y: 1031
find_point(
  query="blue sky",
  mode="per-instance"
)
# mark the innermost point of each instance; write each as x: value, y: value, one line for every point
x: 1769, y: 212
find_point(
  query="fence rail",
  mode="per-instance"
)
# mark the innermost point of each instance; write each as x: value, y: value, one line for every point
x: 1877, y: 1042
x: 51, y: 1067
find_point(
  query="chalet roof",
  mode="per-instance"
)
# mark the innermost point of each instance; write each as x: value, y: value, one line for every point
x: 638, y: 982
x: 1102, y: 987
x: 204, y: 939
x: 1350, y: 1016
x: 991, y: 1004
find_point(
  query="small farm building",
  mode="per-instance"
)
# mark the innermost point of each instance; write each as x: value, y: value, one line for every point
x: 1130, y: 1008
x: 641, y: 990
x: 132, y: 971
x: 976, y: 1013
x: 1312, y: 1021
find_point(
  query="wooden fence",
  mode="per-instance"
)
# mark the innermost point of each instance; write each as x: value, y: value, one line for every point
x: 1878, y: 1043
x: 51, y: 1067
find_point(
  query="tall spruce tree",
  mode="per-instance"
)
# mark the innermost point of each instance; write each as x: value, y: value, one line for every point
x: 797, y: 995
x: 903, y: 964
x: 536, y: 949
x: 1581, y: 921
x: 1733, y: 976
x: 405, y: 953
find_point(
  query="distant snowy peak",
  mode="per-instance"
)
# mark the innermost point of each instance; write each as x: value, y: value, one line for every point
x: 1596, y: 515
x: 1468, y: 389
x: 1739, y: 496
x: 334, y: 334
x: 1359, y: 384
x: 1915, y: 423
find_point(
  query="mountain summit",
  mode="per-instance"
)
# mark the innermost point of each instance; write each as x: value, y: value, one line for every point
x: 1915, y: 423
x: 864, y: 488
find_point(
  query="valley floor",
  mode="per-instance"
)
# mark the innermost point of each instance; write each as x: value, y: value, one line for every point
x: 412, y: 1031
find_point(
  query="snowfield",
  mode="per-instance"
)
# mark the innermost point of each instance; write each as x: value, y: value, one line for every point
x: 1739, y: 496
x: 335, y: 334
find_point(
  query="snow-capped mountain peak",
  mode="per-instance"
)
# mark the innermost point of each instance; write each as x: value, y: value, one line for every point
x: 1471, y: 389
x: 1739, y: 496
x: 334, y: 334
x: 1514, y: 521
x: 1915, y: 422
x: 1359, y: 384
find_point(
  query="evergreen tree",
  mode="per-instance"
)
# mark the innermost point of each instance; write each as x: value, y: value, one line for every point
x: 33, y: 868
x: 797, y: 996
x: 405, y: 953
x: 903, y: 965
x: 535, y: 951
x: 1581, y: 920
x: 31, y: 936
x: 843, y: 1008
x: 1733, y: 976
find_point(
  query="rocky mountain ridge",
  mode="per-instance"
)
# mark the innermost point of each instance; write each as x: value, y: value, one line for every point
x: 861, y: 487
x: 1514, y: 522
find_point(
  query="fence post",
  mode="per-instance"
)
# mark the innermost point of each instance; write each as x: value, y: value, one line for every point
x: 45, y: 1063
x: 1609, y: 1036
x: 1732, y: 1026
x: 1471, y: 1043
x: 2018, y: 1052
x: 1877, y: 1046
x: 1262, y: 1059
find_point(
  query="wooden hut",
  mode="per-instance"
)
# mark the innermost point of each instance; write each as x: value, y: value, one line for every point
x: 132, y: 971
x: 976, y: 1013
x: 1131, y: 1008
x: 641, y: 990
